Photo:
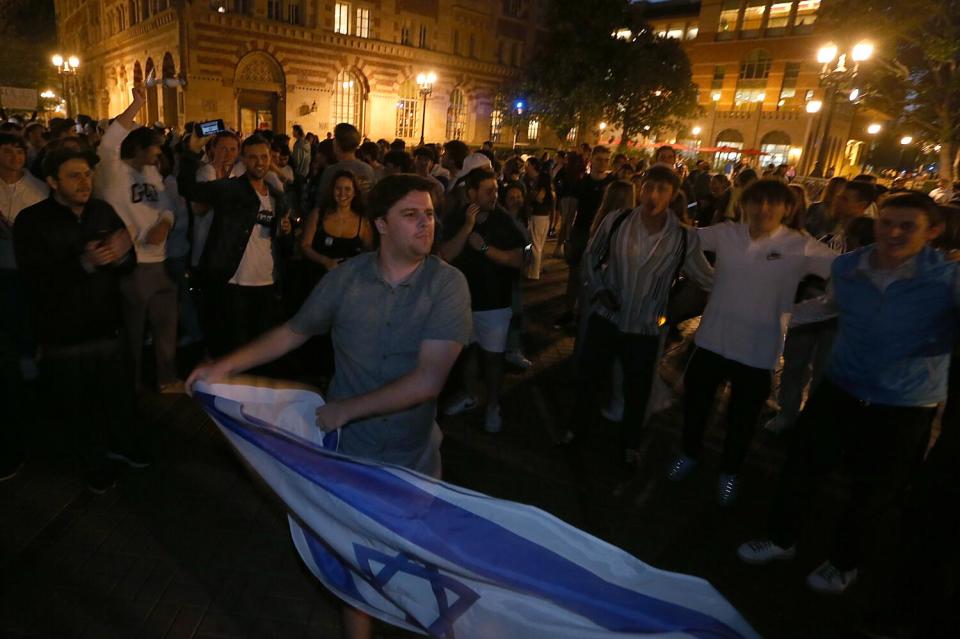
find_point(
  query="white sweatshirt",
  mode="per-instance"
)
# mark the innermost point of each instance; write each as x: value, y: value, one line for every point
x: 139, y: 197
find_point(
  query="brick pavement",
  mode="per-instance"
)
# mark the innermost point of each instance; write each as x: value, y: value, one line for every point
x: 193, y: 547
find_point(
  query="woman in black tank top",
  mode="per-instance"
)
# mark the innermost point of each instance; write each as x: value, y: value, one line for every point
x: 337, y: 230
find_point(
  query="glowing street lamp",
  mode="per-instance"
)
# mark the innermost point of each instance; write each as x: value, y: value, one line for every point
x: 874, y: 128
x: 65, y: 67
x: 425, y: 81
x: 814, y: 106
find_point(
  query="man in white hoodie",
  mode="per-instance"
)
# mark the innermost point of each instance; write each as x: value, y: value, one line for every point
x: 128, y: 179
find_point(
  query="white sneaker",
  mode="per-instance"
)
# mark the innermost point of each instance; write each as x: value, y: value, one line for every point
x: 763, y: 551
x: 681, y: 467
x: 613, y: 412
x: 830, y: 580
x: 777, y: 425
x: 460, y: 405
x: 517, y: 358
x: 494, y: 422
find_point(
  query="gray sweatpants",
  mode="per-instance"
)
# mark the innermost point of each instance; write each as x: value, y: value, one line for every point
x: 150, y: 294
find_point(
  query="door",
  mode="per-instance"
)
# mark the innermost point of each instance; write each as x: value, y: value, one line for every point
x: 258, y: 112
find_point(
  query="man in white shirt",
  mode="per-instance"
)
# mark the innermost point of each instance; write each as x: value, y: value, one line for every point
x: 740, y: 338
x: 128, y: 179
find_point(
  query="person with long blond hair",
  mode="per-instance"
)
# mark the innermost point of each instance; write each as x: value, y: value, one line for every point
x: 618, y: 195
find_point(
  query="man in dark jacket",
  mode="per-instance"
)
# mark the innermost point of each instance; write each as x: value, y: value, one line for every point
x: 238, y: 267
x: 72, y: 251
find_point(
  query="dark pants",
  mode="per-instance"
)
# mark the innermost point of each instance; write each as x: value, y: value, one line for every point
x: 91, y: 386
x: 749, y: 389
x: 880, y: 448
x: 15, y: 315
x: 149, y: 295
x: 236, y: 315
x: 602, y: 344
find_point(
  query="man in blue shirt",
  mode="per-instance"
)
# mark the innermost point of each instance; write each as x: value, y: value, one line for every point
x: 896, y: 302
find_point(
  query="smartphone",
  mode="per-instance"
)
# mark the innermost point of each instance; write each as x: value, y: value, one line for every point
x: 211, y: 127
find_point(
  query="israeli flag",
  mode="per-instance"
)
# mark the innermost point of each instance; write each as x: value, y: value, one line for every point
x: 444, y: 561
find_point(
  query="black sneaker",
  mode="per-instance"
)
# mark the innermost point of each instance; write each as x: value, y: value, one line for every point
x: 10, y: 465
x: 100, y: 480
x: 133, y: 456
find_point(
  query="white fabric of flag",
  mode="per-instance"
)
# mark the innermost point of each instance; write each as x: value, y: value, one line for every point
x: 444, y: 561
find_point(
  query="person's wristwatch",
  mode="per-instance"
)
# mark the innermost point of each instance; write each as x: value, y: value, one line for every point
x: 484, y: 248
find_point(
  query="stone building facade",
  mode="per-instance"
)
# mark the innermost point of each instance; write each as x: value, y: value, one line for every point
x: 274, y: 63
x: 754, y: 63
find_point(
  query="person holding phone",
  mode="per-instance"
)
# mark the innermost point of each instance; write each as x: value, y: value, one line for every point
x: 482, y: 241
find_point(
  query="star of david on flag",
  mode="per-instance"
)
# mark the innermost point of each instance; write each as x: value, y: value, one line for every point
x: 444, y: 561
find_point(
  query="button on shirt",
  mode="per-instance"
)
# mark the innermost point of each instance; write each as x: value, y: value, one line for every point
x: 755, y: 282
x: 377, y: 330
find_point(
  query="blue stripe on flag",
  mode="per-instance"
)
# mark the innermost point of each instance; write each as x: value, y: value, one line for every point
x: 483, y: 547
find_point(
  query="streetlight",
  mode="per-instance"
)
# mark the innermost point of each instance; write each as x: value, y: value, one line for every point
x: 905, y: 141
x: 872, y: 130
x: 425, y: 81
x: 836, y: 76
x: 518, y: 108
x: 65, y: 67
x: 696, y: 134
x: 812, y: 108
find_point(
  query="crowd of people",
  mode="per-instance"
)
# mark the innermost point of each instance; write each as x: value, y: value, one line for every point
x: 396, y: 276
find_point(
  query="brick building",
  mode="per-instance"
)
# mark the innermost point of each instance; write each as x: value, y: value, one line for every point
x: 273, y: 63
x: 754, y: 62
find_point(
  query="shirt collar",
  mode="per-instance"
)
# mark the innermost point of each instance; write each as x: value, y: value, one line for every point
x: 906, y: 270
x: 373, y: 269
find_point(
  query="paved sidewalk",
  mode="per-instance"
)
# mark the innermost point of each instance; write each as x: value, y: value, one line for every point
x: 193, y: 547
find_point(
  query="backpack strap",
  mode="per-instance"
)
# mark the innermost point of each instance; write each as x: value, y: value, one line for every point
x: 617, y: 222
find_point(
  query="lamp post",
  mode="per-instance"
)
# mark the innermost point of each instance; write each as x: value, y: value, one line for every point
x: 836, y: 75
x: 812, y: 108
x: 425, y: 81
x: 872, y: 130
x: 696, y: 135
x: 518, y: 109
x: 905, y: 141
x: 65, y: 67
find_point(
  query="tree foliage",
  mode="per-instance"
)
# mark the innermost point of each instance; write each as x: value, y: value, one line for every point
x: 581, y: 73
x: 913, y: 76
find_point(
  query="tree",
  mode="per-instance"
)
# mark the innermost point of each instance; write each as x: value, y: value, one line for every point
x: 581, y: 72
x: 913, y: 75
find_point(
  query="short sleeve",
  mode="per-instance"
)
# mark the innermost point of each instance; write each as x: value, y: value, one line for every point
x: 818, y: 258
x: 316, y: 315
x: 450, y: 319
x: 709, y: 237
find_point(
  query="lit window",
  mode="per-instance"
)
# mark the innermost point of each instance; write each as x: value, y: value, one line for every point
x: 752, y: 80
x: 692, y: 32
x: 362, y: 24
x: 407, y: 109
x: 789, y: 90
x: 496, y: 117
x: 456, y: 116
x: 753, y: 15
x: 728, y: 16
x: 807, y: 12
x: 341, y: 18
x: 779, y: 15
x: 533, y: 130
x: 675, y: 32
x: 348, y: 99
x: 572, y: 135
x: 623, y: 34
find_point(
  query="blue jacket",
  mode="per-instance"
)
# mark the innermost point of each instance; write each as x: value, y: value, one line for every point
x: 893, y: 347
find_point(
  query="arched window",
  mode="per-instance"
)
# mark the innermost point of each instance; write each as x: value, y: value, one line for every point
x: 496, y: 117
x: 752, y: 80
x: 731, y: 140
x: 456, y: 115
x: 348, y: 99
x: 775, y: 148
x: 407, y: 109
